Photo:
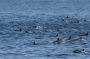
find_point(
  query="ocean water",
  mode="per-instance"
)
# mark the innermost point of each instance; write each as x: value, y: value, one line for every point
x: 29, y: 27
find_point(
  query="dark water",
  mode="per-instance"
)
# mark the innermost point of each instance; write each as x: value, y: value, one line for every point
x: 29, y: 27
x: 31, y: 37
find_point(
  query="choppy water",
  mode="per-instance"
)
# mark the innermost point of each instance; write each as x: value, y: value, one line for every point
x: 19, y: 32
